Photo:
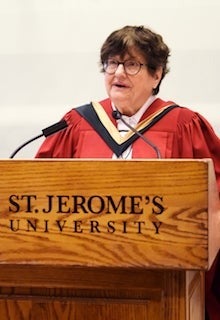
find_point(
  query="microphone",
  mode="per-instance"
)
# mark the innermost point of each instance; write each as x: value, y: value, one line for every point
x: 45, y: 132
x: 118, y: 116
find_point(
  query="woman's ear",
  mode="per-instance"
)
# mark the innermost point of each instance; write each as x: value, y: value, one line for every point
x: 157, y: 76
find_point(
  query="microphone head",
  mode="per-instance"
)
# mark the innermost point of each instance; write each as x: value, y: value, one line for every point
x: 116, y: 114
x: 54, y: 128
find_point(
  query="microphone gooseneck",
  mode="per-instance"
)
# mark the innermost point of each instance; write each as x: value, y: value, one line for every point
x: 118, y: 116
x: 45, y: 132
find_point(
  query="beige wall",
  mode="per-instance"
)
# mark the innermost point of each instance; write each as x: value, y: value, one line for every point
x: 49, y: 53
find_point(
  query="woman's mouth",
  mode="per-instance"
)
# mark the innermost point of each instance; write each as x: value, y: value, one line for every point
x: 120, y: 85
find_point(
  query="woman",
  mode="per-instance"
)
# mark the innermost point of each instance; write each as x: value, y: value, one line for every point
x: 133, y: 122
x: 134, y: 62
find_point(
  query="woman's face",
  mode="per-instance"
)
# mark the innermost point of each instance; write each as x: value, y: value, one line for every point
x: 130, y: 92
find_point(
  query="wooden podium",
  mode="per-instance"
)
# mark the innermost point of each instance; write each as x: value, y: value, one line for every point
x: 106, y: 240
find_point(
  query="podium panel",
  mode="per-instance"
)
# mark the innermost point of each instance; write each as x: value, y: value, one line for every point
x: 104, y: 239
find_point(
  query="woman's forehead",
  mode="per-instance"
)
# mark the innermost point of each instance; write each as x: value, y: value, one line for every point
x: 131, y: 53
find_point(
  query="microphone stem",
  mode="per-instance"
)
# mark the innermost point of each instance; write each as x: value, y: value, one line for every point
x: 24, y: 144
x: 143, y: 137
x: 45, y: 132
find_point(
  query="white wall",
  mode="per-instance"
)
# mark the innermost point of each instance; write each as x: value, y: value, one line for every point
x: 49, y: 54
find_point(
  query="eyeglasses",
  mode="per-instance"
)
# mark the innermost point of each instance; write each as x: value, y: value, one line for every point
x: 131, y: 67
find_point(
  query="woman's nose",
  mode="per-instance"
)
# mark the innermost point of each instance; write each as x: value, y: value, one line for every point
x: 120, y: 69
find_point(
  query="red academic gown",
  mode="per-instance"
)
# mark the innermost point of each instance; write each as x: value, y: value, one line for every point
x: 181, y: 133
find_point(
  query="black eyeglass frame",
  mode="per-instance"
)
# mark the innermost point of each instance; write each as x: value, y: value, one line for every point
x: 117, y: 63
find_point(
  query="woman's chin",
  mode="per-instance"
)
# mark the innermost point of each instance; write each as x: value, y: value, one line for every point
x: 119, y: 99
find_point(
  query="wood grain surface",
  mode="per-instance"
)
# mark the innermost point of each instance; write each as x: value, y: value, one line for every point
x: 137, y: 233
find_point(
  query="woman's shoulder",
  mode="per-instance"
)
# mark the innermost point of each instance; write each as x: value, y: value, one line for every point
x: 75, y: 114
x: 181, y: 117
x: 181, y: 113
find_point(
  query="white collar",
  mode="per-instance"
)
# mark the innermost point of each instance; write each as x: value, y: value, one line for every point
x: 135, y: 118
